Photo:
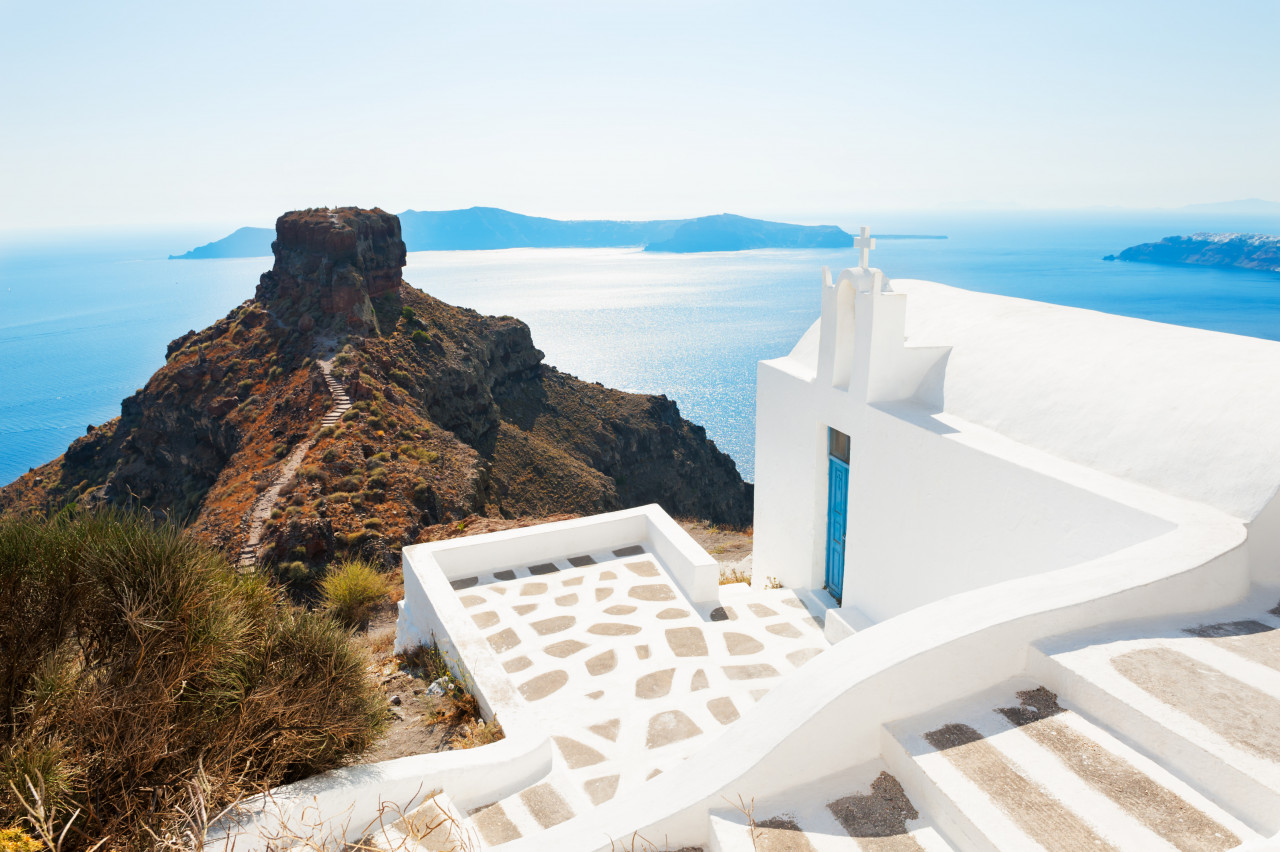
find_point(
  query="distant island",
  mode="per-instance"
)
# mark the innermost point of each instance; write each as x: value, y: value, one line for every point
x: 493, y: 228
x: 727, y: 232
x: 1239, y: 207
x: 243, y: 242
x: 1243, y: 251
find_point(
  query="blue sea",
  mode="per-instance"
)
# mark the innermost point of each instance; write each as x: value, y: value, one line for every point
x: 85, y: 316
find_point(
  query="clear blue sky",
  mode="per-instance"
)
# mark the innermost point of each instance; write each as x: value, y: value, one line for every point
x: 167, y: 112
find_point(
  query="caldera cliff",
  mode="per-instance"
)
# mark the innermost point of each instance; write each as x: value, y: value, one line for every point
x: 456, y: 422
x: 1243, y: 251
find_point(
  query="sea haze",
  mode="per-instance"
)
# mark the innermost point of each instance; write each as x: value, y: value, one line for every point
x: 84, y: 318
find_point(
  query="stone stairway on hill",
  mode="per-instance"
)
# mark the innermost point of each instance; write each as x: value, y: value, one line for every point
x: 260, y: 511
x: 1155, y: 736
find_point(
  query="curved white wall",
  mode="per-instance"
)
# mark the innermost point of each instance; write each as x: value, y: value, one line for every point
x: 931, y: 517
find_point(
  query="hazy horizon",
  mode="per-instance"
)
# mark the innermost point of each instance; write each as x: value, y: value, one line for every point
x: 219, y: 229
x: 145, y: 113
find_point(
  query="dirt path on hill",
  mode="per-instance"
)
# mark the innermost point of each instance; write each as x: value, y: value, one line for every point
x: 260, y: 512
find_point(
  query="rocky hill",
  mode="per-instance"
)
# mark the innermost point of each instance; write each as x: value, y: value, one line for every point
x: 1245, y: 251
x: 728, y: 232
x: 454, y: 418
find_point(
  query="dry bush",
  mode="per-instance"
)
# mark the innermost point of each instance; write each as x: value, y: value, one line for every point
x: 733, y: 574
x: 17, y: 840
x: 351, y: 591
x: 477, y: 732
x: 458, y: 706
x: 135, y: 660
x: 427, y: 662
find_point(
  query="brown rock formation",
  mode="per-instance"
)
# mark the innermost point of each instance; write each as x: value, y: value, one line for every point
x: 330, y: 265
x: 455, y: 417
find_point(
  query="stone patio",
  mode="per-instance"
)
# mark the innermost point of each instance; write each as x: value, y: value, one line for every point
x: 628, y: 676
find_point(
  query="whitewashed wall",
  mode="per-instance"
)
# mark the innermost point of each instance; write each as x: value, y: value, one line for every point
x: 940, y: 504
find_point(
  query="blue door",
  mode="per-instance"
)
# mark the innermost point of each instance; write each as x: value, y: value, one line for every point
x: 837, y: 519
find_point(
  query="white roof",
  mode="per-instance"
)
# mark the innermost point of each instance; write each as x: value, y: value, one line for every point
x: 1192, y: 413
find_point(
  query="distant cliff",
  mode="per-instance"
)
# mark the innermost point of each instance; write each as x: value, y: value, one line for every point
x: 1244, y: 251
x: 727, y: 232
x: 492, y: 228
x: 244, y: 242
x: 455, y: 418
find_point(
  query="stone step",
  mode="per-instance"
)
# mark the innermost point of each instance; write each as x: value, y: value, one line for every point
x: 436, y: 825
x: 1200, y: 694
x: 863, y: 808
x: 522, y: 814
x: 1013, y: 768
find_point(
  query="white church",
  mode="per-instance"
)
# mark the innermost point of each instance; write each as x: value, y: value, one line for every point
x: 1015, y: 586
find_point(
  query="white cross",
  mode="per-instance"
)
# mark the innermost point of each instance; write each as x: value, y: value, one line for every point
x: 866, y: 242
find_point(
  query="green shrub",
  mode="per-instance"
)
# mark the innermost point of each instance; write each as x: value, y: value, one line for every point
x: 295, y: 572
x: 280, y: 450
x: 420, y: 338
x: 407, y: 313
x: 402, y: 378
x: 373, y: 523
x: 326, y: 432
x: 330, y: 456
x: 313, y: 473
x: 137, y: 661
x: 348, y: 484
x: 244, y: 388
x: 351, y: 414
x: 351, y: 591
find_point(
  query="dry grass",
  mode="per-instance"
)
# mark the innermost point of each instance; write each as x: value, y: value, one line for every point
x: 458, y: 706
x: 137, y: 662
x: 733, y: 574
x: 351, y: 591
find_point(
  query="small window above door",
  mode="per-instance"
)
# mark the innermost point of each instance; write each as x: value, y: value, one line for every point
x: 838, y: 445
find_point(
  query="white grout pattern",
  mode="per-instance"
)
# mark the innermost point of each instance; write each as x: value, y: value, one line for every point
x: 629, y: 676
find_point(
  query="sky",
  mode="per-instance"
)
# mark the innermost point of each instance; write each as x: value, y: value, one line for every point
x: 168, y: 113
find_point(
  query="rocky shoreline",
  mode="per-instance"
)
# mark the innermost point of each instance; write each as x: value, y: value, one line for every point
x: 1241, y: 251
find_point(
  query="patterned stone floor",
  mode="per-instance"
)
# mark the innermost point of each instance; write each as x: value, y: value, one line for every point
x: 629, y: 677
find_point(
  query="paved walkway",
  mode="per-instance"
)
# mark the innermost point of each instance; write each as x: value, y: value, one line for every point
x: 628, y: 677
x: 260, y: 512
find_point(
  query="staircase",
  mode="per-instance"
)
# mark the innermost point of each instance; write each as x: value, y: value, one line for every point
x: 1162, y: 736
x: 260, y: 511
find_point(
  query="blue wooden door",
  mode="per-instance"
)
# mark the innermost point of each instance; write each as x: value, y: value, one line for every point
x: 837, y: 513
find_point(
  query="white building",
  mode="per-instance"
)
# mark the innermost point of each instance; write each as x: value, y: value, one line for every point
x: 989, y: 438
x: 1016, y: 586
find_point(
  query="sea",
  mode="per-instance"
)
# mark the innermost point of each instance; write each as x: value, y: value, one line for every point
x: 85, y: 315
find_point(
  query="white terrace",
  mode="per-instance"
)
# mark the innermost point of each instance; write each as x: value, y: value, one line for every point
x: 1031, y: 570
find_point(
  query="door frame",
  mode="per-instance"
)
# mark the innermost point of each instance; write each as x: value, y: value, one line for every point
x: 835, y: 550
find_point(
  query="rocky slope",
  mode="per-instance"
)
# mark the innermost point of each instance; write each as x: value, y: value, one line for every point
x: 1246, y: 251
x: 455, y: 418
